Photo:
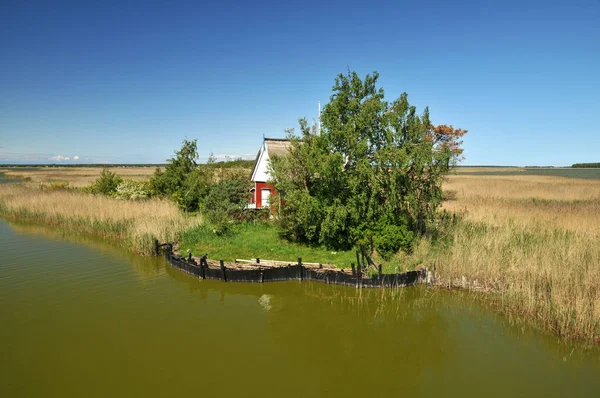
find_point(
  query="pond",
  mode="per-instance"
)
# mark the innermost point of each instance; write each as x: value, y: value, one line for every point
x: 81, y: 318
x: 5, y: 180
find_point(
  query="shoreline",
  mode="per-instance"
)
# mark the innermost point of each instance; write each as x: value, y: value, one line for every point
x: 536, y: 260
x: 203, y: 268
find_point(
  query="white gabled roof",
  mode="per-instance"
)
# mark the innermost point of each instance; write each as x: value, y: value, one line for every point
x: 270, y: 146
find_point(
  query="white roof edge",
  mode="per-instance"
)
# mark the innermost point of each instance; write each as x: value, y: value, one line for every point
x: 261, y: 153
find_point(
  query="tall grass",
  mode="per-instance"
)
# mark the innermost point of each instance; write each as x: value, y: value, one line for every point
x: 549, y: 275
x: 532, y: 242
x: 75, y: 176
x: 132, y: 224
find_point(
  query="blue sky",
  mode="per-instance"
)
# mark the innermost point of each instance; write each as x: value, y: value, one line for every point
x: 126, y: 82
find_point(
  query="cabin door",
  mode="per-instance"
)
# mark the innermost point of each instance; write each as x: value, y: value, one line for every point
x: 265, y: 197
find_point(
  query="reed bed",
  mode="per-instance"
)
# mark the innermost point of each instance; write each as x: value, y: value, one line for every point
x: 76, y: 177
x: 534, y: 241
x: 134, y: 224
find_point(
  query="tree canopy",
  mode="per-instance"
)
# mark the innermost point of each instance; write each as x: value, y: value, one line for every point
x: 182, y: 179
x: 371, y: 178
x: 220, y: 192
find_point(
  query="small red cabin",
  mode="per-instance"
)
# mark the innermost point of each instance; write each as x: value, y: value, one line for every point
x: 260, y: 174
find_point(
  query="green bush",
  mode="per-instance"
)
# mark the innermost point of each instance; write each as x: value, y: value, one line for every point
x: 255, y: 215
x: 226, y: 203
x: 299, y: 219
x: 392, y: 238
x: 132, y: 190
x: 106, y: 184
x: 335, y: 228
x: 183, y: 180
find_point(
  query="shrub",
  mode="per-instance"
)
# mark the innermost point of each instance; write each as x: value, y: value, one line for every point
x: 335, y: 228
x: 57, y: 186
x: 182, y: 179
x: 132, y: 190
x: 255, y: 215
x: 226, y: 202
x: 392, y: 238
x: 106, y: 184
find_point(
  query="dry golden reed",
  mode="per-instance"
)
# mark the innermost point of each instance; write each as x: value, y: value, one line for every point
x: 134, y: 223
x: 534, y: 240
x: 76, y: 176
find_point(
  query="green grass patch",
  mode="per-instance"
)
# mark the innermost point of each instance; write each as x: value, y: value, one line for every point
x: 258, y: 240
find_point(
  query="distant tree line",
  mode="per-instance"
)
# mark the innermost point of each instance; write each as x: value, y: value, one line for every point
x: 222, y: 164
x: 586, y: 165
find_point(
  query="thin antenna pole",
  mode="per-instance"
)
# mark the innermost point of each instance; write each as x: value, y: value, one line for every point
x: 319, y: 120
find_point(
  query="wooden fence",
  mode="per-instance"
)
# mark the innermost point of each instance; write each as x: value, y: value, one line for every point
x: 299, y: 272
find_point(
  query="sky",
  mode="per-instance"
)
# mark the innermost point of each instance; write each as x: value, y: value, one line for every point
x: 126, y: 81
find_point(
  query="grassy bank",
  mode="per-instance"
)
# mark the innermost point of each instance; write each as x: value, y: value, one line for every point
x: 258, y: 240
x: 133, y: 225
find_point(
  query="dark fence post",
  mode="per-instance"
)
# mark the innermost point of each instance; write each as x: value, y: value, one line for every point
x: 190, y: 257
x: 353, y: 269
x: 156, y: 247
x: 357, y: 259
x: 300, y: 267
x: 169, y: 252
x: 257, y: 260
x: 359, y: 276
x: 203, y: 266
x: 223, y: 275
x: 380, y: 275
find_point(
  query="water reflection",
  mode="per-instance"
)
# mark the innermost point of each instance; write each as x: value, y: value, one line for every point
x: 146, y: 268
x: 112, y: 321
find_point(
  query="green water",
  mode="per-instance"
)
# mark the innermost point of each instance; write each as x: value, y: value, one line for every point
x: 80, y: 318
x: 4, y: 180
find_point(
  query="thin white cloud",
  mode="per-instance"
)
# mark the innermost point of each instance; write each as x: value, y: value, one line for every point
x: 60, y: 158
x: 225, y: 156
x: 75, y: 157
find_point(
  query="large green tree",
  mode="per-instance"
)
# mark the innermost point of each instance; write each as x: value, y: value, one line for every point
x: 372, y: 178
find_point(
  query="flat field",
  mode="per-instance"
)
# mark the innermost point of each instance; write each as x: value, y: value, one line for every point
x: 79, y: 177
x: 76, y: 177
